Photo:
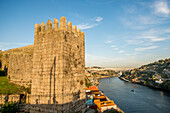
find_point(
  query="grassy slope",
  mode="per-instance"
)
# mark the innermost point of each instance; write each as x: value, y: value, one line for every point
x: 6, y: 87
x: 9, y: 88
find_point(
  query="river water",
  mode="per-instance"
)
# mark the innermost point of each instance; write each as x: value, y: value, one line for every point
x: 142, y: 100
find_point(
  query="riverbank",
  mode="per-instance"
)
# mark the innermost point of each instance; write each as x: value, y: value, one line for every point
x: 117, y: 107
x: 142, y: 83
x: 106, y: 76
x: 142, y: 100
x: 102, y: 77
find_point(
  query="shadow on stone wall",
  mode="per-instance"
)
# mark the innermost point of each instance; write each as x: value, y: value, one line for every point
x: 5, y: 70
x: 51, y: 72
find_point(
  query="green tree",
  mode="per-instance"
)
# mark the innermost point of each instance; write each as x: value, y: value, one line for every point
x: 9, y: 107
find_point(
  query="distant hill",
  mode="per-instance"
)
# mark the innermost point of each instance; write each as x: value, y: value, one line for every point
x: 94, y: 67
x: 156, y: 75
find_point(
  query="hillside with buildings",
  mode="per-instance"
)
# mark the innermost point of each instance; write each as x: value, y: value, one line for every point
x: 156, y: 75
x: 93, y: 74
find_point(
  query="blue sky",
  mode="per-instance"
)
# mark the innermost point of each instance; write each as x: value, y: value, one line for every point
x: 118, y: 33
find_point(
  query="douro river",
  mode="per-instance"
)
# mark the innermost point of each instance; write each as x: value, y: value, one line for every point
x: 134, y: 98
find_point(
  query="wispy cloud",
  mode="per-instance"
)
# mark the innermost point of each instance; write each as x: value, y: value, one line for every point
x: 145, y: 48
x: 140, y: 22
x: 158, y: 13
x: 154, y: 38
x: 98, y: 19
x: 86, y: 26
x: 161, y: 8
x: 136, y: 42
x: 113, y: 46
x: 150, y: 20
x: 109, y: 41
x: 89, y: 22
x: 158, y: 31
x: 121, y: 51
x: 149, y: 37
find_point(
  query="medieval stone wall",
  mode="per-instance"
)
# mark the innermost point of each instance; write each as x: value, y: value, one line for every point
x: 11, y: 98
x: 19, y: 64
x: 58, y: 65
x: 54, y: 66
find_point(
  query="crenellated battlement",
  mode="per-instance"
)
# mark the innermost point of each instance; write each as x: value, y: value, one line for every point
x: 58, y: 63
x: 54, y: 66
x: 57, y: 26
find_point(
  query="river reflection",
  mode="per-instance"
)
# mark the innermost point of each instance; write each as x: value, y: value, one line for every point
x: 134, y: 98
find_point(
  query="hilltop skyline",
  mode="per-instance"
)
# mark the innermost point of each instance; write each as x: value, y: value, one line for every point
x: 117, y: 33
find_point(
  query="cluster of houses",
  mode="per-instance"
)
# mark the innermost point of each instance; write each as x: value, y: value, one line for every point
x: 91, y: 78
x: 95, y: 99
x: 159, y: 81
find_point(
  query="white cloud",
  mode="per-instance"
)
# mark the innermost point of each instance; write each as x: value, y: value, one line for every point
x: 148, y: 43
x: 86, y: 26
x: 158, y: 39
x: 113, y: 46
x: 149, y: 37
x: 88, y: 22
x: 145, y: 48
x: 154, y: 38
x: 149, y: 20
x: 121, y: 51
x: 98, y: 19
x: 161, y: 7
x: 140, y: 22
x: 158, y: 31
x: 135, y: 41
x: 109, y: 41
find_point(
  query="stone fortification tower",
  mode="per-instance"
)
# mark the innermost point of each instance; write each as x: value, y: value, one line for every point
x: 58, y: 66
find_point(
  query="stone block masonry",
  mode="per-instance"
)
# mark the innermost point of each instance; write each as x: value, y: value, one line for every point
x: 54, y: 66
x: 18, y: 63
x: 11, y: 98
x: 58, y: 65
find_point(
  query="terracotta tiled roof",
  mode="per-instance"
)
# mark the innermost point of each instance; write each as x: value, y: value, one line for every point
x: 93, y: 88
x: 107, y: 103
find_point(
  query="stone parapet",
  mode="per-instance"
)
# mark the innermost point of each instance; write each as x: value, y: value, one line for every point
x: 58, y: 64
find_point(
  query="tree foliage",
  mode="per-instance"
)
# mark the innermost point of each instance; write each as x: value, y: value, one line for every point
x: 9, y: 107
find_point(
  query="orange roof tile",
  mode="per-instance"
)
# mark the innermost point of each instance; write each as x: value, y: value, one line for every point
x: 107, y: 103
x: 100, y: 97
x: 93, y: 88
x: 86, y: 88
